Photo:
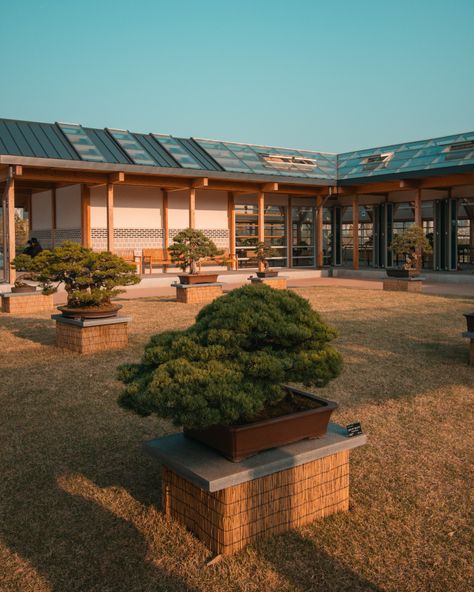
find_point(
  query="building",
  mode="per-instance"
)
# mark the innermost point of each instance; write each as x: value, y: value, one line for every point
x: 118, y: 190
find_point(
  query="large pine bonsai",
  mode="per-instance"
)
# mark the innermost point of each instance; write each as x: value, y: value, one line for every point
x: 409, y: 244
x: 189, y: 247
x: 233, y: 362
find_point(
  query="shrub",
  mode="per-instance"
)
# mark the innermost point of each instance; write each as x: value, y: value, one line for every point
x: 89, y: 278
x: 233, y: 362
x: 409, y: 243
x: 190, y: 247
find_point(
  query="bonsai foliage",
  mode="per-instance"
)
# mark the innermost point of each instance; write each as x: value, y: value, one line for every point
x: 262, y: 253
x: 409, y: 244
x: 190, y: 247
x: 233, y: 362
x: 90, y: 278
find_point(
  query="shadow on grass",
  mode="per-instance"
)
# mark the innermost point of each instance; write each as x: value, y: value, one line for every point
x: 38, y: 330
x: 308, y: 568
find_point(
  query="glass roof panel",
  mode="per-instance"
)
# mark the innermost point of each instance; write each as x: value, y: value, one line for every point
x: 131, y: 147
x: 81, y: 142
x: 178, y: 152
x: 224, y: 156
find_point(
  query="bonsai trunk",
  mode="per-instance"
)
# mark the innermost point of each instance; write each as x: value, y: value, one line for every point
x: 193, y: 269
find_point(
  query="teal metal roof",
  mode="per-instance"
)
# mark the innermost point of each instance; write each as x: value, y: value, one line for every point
x: 66, y: 141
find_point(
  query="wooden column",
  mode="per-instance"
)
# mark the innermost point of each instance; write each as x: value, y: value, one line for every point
x: 355, y: 232
x: 86, y: 216
x: 110, y: 217
x: 166, y: 234
x: 418, y: 221
x: 261, y: 221
x: 30, y: 214
x: 231, y: 223
x: 53, y: 217
x: 290, y: 231
x: 11, y: 245
x: 192, y: 207
x: 319, y: 232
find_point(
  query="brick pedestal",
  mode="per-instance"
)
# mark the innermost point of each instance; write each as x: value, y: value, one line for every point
x: 279, y: 282
x: 470, y: 336
x: 403, y: 285
x: 26, y: 302
x: 229, y: 505
x: 197, y: 293
x: 86, y: 336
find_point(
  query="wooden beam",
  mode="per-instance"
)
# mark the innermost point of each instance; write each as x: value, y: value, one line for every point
x: 231, y: 224
x: 418, y: 209
x: 355, y: 233
x: 290, y: 231
x: 117, y: 177
x: 269, y: 187
x: 319, y: 232
x: 86, y: 216
x: 302, y: 191
x: 53, y: 217
x: 110, y: 217
x: 409, y: 183
x: 11, y: 242
x: 166, y: 232
x: 192, y: 207
x: 200, y: 183
x: 71, y: 177
x: 261, y: 221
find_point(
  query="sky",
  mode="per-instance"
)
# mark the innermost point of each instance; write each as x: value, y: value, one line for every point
x: 331, y: 76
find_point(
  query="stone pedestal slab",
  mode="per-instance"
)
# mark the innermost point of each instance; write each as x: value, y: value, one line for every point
x: 403, y: 284
x: 470, y: 336
x: 279, y: 282
x: 197, y: 293
x: 86, y: 336
x: 26, y: 302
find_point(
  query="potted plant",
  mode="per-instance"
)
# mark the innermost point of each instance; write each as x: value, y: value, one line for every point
x: 409, y: 244
x: 261, y: 255
x: 22, y: 263
x: 224, y: 378
x: 189, y: 248
x: 91, y: 279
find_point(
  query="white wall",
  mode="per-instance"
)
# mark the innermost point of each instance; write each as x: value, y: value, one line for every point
x: 178, y: 209
x: 134, y: 207
x: 211, y: 209
x: 68, y: 207
x: 41, y: 211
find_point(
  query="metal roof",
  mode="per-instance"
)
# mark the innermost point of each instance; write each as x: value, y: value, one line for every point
x: 65, y: 141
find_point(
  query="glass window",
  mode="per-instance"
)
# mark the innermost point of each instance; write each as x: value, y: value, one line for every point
x: 81, y: 142
x: 131, y: 147
x: 178, y: 152
x: 303, y: 245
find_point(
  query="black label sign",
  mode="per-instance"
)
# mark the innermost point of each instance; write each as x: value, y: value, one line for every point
x: 354, y: 429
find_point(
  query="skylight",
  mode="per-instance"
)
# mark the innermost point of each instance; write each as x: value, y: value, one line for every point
x: 459, y: 150
x: 131, y: 147
x: 178, y: 152
x: 288, y: 162
x: 375, y: 161
x: 81, y: 142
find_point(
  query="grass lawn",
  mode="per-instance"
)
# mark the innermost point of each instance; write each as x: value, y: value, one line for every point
x: 80, y: 501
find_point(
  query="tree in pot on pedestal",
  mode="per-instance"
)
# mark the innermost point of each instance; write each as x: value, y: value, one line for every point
x: 224, y: 378
x: 190, y: 247
x: 409, y: 244
x: 91, y: 279
x: 263, y: 252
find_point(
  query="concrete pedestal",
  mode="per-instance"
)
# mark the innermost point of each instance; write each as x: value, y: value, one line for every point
x: 470, y: 336
x: 26, y: 302
x: 86, y: 336
x: 229, y: 505
x: 197, y: 293
x: 403, y: 284
x: 279, y: 282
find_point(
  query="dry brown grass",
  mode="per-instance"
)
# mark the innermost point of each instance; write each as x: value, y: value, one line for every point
x: 80, y: 502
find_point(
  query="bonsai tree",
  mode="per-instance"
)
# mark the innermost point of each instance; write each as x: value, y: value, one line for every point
x: 409, y: 244
x: 91, y: 279
x: 189, y: 247
x: 231, y: 365
x: 263, y: 252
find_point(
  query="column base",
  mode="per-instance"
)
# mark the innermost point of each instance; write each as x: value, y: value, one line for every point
x: 26, y: 302
x: 403, y: 285
x: 87, y: 336
x: 197, y: 293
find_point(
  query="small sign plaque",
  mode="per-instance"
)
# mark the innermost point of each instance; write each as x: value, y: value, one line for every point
x: 354, y: 429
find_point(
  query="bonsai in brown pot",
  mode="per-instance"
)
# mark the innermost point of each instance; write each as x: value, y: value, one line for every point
x: 91, y: 279
x: 189, y: 248
x: 263, y: 252
x: 224, y: 378
x: 409, y: 244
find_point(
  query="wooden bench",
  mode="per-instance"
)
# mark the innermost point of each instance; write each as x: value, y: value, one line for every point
x: 160, y: 258
x: 129, y: 256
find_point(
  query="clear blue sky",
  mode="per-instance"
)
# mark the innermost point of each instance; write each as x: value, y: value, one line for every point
x: 332, y: 75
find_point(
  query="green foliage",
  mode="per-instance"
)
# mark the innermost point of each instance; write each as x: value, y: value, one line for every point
x: 231, y: 364
x: 191, y: 246
x: 263, y: 252
x: 409, y: 243
x: 90, y: 278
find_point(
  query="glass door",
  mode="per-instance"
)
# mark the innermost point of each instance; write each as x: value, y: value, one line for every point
x: 303, y: 248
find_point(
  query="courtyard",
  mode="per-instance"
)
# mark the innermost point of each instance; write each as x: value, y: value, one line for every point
x: 80, y: 506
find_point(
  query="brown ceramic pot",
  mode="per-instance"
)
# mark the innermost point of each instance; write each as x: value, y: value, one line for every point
x: 198, y: 278
x: 92, y: 312
x: 267, y: 274
x: 23, y: 289
x: 239, y: 442
x: 403, y: 273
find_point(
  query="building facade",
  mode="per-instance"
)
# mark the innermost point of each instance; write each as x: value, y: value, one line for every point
x: 126, y: 192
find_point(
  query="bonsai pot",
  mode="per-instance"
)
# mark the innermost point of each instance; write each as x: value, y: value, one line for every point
x: 198, y: 278
x: 23, y: 289
x: 267, y: 274
x: 241, y: 441
x: 470, y: 321
x: 91, y: 312
x: 403, y: 273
